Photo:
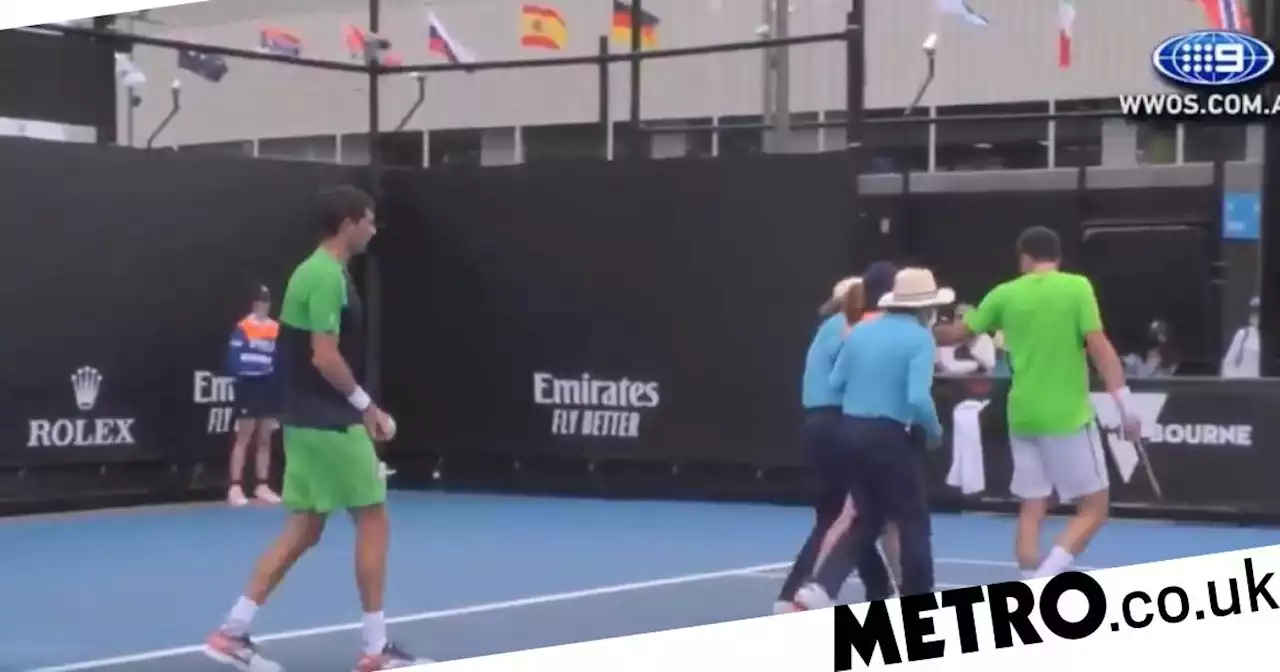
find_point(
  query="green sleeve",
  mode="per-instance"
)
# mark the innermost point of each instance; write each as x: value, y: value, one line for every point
x: 1090, y: 317
x: 986, y: 317
x: 325, y: 299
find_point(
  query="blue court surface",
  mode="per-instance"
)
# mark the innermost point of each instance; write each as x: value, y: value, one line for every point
x: 137, y: 590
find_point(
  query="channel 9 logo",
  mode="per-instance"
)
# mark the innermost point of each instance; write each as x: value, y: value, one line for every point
x: 1213, y: 59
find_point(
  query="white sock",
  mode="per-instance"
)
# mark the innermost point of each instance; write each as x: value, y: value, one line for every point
x: 375, y: 633
x: 241, y: 617
x: 1059, y: 561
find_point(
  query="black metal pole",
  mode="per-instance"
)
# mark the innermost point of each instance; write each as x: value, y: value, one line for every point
x: 634, y: 136
x: 603, y: 70
x: 855, y: 83
x: 175, y: 106
x: 421, y: 79
x: 855, y: 77
x: 372, y: 276
x: 108, y: 126
x: 1268, y: 237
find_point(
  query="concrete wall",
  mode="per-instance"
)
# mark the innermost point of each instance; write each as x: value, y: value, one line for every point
x: 1014, y: 59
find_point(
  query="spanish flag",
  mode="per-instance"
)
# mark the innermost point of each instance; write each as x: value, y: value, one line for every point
x: 542, y: 28
x: 622, y: 26
x: 355, y: 37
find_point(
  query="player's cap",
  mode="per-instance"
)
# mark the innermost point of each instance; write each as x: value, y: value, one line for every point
x: 262, y: 294
x: 877, y: 281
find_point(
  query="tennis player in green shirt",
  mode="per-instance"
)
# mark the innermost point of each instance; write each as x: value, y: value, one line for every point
x: 1050, y: 320
x: 330, y: 425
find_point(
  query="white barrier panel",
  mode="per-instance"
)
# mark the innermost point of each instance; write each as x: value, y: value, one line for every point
x: 1208, y: 612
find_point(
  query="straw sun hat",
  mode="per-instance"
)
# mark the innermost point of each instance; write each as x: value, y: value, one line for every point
x: 916, y: 288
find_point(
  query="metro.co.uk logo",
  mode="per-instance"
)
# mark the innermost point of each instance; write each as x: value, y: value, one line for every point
x: 1220, y: 72
x: 1072, y: 606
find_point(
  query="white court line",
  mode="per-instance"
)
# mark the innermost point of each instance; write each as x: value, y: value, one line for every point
x: 477, y: 609
x: 940, y: 561
x: 425, y: 616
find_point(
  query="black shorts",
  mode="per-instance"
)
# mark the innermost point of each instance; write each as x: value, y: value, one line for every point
x: 257, y: 398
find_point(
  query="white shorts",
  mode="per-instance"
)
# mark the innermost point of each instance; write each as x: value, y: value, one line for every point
x: 1074, y: 465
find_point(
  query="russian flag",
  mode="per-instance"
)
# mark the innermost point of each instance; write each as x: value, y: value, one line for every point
x: 439, y: 42
x: 1230, y: 15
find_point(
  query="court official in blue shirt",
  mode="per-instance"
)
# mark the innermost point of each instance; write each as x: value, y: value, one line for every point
x: 821, y: 429
x: 885, y: 375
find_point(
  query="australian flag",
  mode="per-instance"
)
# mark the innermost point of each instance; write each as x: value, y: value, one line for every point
x: 207, y: 66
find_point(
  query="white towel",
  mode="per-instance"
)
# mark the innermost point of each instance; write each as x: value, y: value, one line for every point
x: 948, y: 363
x: 967, y: 468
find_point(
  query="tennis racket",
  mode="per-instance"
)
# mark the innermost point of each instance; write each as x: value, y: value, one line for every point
x: 1146, y: 465
x: 1143, y: 457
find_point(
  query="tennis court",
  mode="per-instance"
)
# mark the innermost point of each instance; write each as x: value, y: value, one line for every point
x: 137, y: 590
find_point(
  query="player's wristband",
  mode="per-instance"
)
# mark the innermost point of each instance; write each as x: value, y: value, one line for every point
x: 1124, y: 399
x: 360, y: 400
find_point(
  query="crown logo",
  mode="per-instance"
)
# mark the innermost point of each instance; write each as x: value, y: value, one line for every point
x: 85, y: 383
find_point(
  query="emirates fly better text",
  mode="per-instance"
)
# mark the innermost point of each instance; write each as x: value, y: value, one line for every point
x: 1193, y: 106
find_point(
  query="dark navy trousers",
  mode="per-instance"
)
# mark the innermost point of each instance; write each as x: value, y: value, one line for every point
x: 821, y: 441
x: 881, y: 465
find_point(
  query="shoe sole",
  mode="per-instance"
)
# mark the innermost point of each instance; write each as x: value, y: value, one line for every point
x: 414, y: 663
x: 257, y: 664
x: 214, y: 654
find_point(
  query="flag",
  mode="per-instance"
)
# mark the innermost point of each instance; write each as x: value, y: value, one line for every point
x: 280, y: 42
x: 622, y: 26
x: 1230, y: 15
x: 542, y: 28
x: 355, y: 38
x: 962, y: 9
x: 439, y: 42
x: 206, y: 66
x: 1066, y: 31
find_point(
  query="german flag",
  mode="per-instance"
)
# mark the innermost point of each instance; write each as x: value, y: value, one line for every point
x: 542, y: 28
x: 622, y: 26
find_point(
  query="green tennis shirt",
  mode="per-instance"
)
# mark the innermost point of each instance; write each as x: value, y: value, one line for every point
x: 320, y: 298
x: 1045, y: 317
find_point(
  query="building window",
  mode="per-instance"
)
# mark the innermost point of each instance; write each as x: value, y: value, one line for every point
x: 625, y: 142
x: 302, y: 148
x: 998, y: 143
x: 741, y: 135
x: 459, y: 147
x: 1078, y: 141
x: 1208, y: 143
x: 895, y: 141
x: 236, y: 148
x: 563, y: 142
x: 680, y: 138
x: 1157, y: 143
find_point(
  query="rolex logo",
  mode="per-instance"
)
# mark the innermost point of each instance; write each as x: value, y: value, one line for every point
x: 85, y: 383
